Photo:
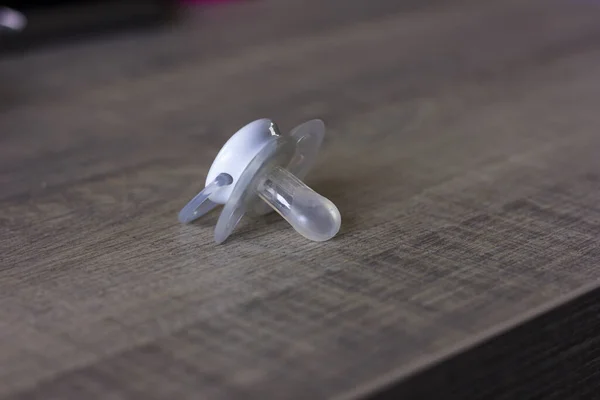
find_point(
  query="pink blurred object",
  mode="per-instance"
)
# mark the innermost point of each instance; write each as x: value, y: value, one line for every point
x: 202, y: 1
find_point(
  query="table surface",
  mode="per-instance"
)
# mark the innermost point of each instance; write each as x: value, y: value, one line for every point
x: 462, y: 151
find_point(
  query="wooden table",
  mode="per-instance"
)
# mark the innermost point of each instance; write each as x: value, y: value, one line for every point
x: 463, y: 151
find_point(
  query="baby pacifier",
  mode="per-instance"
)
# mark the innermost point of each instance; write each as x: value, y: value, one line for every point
x: 260, y: 170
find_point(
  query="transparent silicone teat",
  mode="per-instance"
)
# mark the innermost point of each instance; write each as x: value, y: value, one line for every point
x: 312, y: 215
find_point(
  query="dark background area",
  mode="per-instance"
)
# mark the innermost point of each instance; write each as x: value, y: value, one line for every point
x: 67, y: 21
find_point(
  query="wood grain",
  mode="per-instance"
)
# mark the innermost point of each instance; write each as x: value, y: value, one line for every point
x: 462, y: 151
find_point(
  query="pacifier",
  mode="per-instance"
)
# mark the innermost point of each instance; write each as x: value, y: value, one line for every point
x: 260, y: 170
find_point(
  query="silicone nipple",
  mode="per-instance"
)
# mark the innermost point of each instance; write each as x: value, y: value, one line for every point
x: 312, y: 215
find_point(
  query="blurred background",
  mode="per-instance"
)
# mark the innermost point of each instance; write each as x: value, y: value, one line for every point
x: 37, y: 21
